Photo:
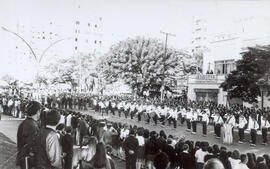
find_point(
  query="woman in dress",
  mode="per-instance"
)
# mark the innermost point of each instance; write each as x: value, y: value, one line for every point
x: 228, y: 129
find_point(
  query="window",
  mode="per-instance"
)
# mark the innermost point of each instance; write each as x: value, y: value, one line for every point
x: 76, y: 47
x: 76, y: 39
x: 224, y: 67
x: 95, y: 25
x: 77, y: 22
x: 43, y: 37
x: 88, y: 24
x: 100, y: 42
x: 95, y: 42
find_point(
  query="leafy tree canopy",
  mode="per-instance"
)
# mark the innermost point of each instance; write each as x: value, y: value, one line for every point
x: 73, y: 70
x: 251, y: 71
x: 141, y: 63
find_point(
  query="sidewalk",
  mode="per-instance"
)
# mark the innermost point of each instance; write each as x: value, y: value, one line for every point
x: 8, y: 148
x: 9, y: 126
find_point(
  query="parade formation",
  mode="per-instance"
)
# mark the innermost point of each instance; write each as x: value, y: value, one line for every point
x: 127, y: 84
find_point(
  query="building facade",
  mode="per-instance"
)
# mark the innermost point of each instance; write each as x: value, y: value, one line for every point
x: 223, y: 50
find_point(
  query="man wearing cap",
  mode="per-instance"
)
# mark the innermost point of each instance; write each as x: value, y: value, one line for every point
x: 26, y: 130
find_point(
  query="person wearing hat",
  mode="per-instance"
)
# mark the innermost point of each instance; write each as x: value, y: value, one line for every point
x: 26, y: 130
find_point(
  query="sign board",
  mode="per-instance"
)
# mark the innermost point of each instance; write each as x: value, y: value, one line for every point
x: 209, y: 78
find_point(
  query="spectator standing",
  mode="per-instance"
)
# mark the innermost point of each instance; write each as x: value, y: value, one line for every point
x: 161, y: 161
x: 235, y: 159
x: 130, y: 146
x: 199, y: 156
x: 49, y: 149
x: 184, y: 159
x: 100, y: 160
x: 67, y: 144
x: 141, y: 148
x: 26, y: 132
x: 243, y: 163
x: 151, y: 149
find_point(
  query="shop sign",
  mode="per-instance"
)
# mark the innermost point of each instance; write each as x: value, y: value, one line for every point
x: 206, y: 78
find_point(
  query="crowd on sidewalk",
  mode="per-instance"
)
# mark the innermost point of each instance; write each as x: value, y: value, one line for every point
x: 54, y: 137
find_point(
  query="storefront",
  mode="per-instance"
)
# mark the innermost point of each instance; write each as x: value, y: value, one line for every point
x: 206, y: 88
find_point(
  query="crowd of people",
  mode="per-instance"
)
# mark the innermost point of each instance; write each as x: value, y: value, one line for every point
x: 225, y: 120
x: 54, y: 137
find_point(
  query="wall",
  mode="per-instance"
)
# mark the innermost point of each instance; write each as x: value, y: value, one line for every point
x: 206, y: 82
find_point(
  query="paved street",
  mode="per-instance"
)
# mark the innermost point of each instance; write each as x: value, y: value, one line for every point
x: 181, y: 130
x: 9, y: 125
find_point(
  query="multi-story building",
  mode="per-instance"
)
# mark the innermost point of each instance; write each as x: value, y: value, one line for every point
x: 224, y: 49
x: 199, y: 43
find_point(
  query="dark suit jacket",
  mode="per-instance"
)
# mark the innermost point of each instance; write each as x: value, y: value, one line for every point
x: 67, y: 145
x: 184, y: 160
x: 131, y: 143
x: 27, y: 131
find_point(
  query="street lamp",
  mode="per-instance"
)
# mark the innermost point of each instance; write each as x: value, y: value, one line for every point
x: 30, y: 47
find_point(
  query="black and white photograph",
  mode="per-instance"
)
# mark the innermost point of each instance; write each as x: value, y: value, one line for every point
x: 134, y: 84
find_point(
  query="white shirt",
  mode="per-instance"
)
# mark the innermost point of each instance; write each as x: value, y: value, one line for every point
x: 205, y: 118
x: 174, y: 114
x: 140, y: 140
x: 199, y: 155
x: 62, y: 119
x: 132, y: 107
x: 10, y: 103
x: 101, y: 104
x: 68, y: 123
x: 242, y: 122
x: 231, y: 120
x: 234, y: 162
x: 241, y: 166
x: 124, y: 133
x: 252, y: 124
x: 264, y: 123
x: 183, y: 112
x: 194, y: 116
x: 218, y: 119
x: 188, y: 115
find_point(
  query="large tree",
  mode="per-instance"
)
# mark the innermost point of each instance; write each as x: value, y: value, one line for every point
x: 142, y: 64
x: 250, y: 71
x: 74, y: 70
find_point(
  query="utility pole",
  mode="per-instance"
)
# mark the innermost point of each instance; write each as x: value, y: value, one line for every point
x: 165, y: 54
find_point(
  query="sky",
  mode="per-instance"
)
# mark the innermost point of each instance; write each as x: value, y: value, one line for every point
x: 122, y: 19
